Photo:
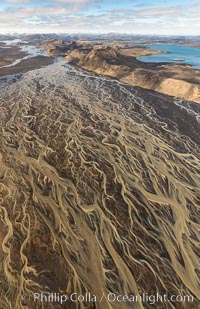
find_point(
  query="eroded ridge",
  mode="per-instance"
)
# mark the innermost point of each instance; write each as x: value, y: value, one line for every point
x: 99, y: 192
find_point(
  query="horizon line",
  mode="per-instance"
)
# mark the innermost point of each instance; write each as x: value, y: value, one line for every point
x: 98, y: 33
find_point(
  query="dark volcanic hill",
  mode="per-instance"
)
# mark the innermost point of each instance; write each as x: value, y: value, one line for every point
x: 172, y: 79
x: 100, y: 59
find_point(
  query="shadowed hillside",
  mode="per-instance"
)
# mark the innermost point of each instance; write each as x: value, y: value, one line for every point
x: 177, y: 80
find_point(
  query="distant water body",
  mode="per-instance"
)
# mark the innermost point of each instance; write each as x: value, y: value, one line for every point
x: 174, y: 54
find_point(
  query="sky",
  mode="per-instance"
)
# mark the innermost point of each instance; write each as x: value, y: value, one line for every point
x: 163, y: 17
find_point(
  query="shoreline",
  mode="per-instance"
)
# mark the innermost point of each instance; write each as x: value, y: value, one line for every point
x: 175, y: 79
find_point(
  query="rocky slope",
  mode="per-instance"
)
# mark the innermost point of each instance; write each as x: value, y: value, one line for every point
x: 100, y: 60
x: 166, y: 82
x: 176, y: 80
x: 60, y: 47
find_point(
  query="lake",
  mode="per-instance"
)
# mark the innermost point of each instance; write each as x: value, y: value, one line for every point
x: 174, y: 54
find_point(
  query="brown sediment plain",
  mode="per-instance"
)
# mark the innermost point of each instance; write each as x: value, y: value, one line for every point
x: 99, y: 191
x: 9, y: 54
x: 27, y: 65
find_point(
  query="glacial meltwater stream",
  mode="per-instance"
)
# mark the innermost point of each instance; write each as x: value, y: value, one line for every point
x: 99, y: 192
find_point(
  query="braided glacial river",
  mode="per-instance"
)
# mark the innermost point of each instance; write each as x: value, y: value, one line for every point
x: 99, y: 191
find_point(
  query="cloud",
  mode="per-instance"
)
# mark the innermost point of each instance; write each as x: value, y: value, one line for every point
x: 159, y: 12
x: 73, y: 16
